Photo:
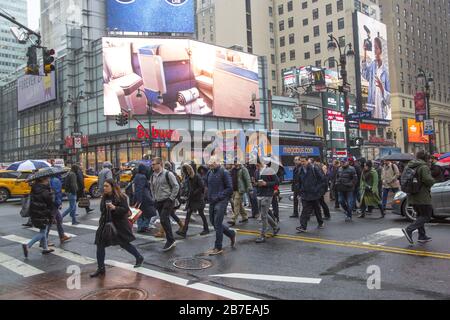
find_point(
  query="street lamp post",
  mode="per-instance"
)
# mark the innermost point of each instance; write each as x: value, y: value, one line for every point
x: 149, y: 114
x: 344, y: 53
x: 428, y: 83
x: 76, y: 125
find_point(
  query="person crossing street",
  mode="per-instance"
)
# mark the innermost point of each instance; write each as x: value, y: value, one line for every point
x: 241, y: 185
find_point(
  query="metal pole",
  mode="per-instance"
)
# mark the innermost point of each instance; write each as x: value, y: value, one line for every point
x: 343, y: 62
x: 430, y: 142
x: 75, y: 128
x: 149, y: 112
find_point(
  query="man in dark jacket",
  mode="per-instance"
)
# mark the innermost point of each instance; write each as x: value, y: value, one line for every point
x: 358, y: 165
x: 346, y: 181
x: 220, y: 189
x: 266, y: 180
x: 332, y: 175
x: 311, y: 186
x: 71, y: 189
x: 143, y: 199
x: 421, y: 201
x: 296, y: 186
x: 56, y: 186
x: 80, y: 183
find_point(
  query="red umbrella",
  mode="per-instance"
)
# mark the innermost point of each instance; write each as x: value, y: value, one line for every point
x: 446, y: 160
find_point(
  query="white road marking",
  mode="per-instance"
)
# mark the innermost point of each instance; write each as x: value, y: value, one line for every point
x: 17, y: 266
x: 265, y: 277
x: 54, y: 233
x: 182, y: 282
x: 382, y: 237
x: 58, y: 252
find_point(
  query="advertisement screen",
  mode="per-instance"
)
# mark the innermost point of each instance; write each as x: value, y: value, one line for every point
x: 151, y: 15
x: 416, y: 133
x: 311, y: 76
x: 179, y: 77
x: 373, y: 50
x: 35, y: 90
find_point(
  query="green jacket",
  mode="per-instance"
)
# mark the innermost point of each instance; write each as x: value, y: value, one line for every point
x: 371, y: 198
x: 427, y: 181
x: 244, y: 181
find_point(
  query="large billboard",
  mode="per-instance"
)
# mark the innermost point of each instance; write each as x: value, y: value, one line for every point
x: 35, y: 90
x: 179, y: 77
x: 375, y: 81
x: 416, y: 133
x: 321, y: 78
x: 151, y: 15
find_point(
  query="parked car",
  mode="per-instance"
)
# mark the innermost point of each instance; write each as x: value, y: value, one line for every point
x: 440, y: 194
x: 13, y: 184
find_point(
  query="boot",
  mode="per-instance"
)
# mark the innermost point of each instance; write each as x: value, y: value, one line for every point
x: 160, y: 233
x: 99, y: 272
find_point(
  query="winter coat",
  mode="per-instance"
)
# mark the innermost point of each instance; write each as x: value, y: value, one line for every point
x: 312, y: 181
x: 389, y: 176
x: 426, y: 181
x: 369, y: 188
x: 104, y: 175
x: 244, y: 181
x: 195, y: 193
x: 269, y: 176
x: 142, y: 194
x: 80, y: 184
x: 56, y: 186
x: 296, y: 179
x: 70, y: 183
x: 119, y: 218
x: 219, y: 185
x: 346, y: 179
x: 42, y: 205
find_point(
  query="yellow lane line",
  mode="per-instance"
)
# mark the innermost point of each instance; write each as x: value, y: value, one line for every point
x: 358, y: 245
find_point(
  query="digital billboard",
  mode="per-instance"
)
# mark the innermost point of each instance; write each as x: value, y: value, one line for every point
x: 375, y: 81
x: 321, y: 78
x: 151, y: 15
x: 179, y: 77
x: 416, y: 133
x: 35, y: 90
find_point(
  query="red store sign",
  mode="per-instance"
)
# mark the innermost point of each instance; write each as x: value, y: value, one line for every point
x: 142, y: 133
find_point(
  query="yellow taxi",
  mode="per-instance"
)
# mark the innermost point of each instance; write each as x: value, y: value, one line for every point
x: 13, y: 184
x: 125, y: 176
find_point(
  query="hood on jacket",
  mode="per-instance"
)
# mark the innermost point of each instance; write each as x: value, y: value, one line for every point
x: 39, y: 188
x: 189, y: 170
x: 142, y: 169
x: 203, y: 169
x: 416, y: 163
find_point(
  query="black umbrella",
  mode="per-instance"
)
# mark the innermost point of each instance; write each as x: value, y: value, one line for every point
x: 399, y: 157
x: 47, y: 172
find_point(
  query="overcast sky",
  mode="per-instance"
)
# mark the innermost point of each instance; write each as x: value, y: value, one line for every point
x: 34, y: 9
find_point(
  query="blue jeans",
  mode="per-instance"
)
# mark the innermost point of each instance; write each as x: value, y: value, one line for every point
x: 72, y: 207
x: 347, y: 201
x: 216, y: 214
x: 386, y: 193
x: 41, y: 236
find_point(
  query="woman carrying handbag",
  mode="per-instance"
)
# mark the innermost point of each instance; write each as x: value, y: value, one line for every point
x: 114, y: 227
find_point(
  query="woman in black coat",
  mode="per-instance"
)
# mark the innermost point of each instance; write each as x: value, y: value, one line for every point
x: 195, y: 199
x: 143, y: 199
x: 115, y: 203
x: 41, y: 208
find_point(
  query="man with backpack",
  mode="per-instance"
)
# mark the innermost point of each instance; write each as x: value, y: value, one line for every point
x: 311, y: 187
x: 241, y: 185
x: 346, y: 181
x: 165, y: 189
x: 220, y: 189
x: 416, y: 181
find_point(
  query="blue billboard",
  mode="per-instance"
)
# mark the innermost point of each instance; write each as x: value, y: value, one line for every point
x: 151, y: 15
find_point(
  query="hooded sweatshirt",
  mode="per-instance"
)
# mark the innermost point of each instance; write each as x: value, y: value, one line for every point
x: 423, y: 197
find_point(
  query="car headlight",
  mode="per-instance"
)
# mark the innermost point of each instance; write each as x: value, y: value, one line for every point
x: 400, y: 195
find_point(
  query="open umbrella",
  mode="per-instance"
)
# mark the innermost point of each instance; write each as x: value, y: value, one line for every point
x: 443, y: 163
x: 47, y: 172
x: 444, y: 156
x: 399, y: 157
x: 445, y: 160
x: 29, y: 165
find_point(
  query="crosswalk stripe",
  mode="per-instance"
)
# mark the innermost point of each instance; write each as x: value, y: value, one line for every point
x: 180, y: 281
x: 58, y: 252
x: 17, y: 266
x: 265, y: 277
x: 382, y: 237
x: 54, y: 233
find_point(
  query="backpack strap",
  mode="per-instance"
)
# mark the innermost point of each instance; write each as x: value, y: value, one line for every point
x: 168, y: 180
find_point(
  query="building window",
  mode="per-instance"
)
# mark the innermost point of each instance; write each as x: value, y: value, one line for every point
x: 341, y: 24
x: 292, y: 55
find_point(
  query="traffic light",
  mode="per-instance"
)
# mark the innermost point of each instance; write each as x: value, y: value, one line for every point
x: 125, y: 118
x: 32, y: 67
x: 357, y: 142
x: 119, y: 120
x: 252, y: 110
x: 49, y: 60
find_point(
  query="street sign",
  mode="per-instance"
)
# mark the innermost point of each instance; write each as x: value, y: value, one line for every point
x: 77, y: 142
x: 428, y: 127
x: 298, y: 112
x: 359, y: 115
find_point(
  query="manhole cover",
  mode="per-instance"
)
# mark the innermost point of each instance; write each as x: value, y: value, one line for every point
x: 117, y: 294
x: 192, y: 263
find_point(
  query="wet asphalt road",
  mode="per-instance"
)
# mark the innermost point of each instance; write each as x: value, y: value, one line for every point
x: 337, y: 262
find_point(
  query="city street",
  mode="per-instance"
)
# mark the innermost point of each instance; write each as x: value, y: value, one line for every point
x: 337, y: 262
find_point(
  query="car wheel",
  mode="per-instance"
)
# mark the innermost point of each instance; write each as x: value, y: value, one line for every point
x: 94, y: 191
x: 4, y: 195
x: 408, y: 211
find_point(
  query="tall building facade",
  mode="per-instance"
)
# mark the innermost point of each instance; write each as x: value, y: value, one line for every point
x: 12, y: 54
x: 419, y: 37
